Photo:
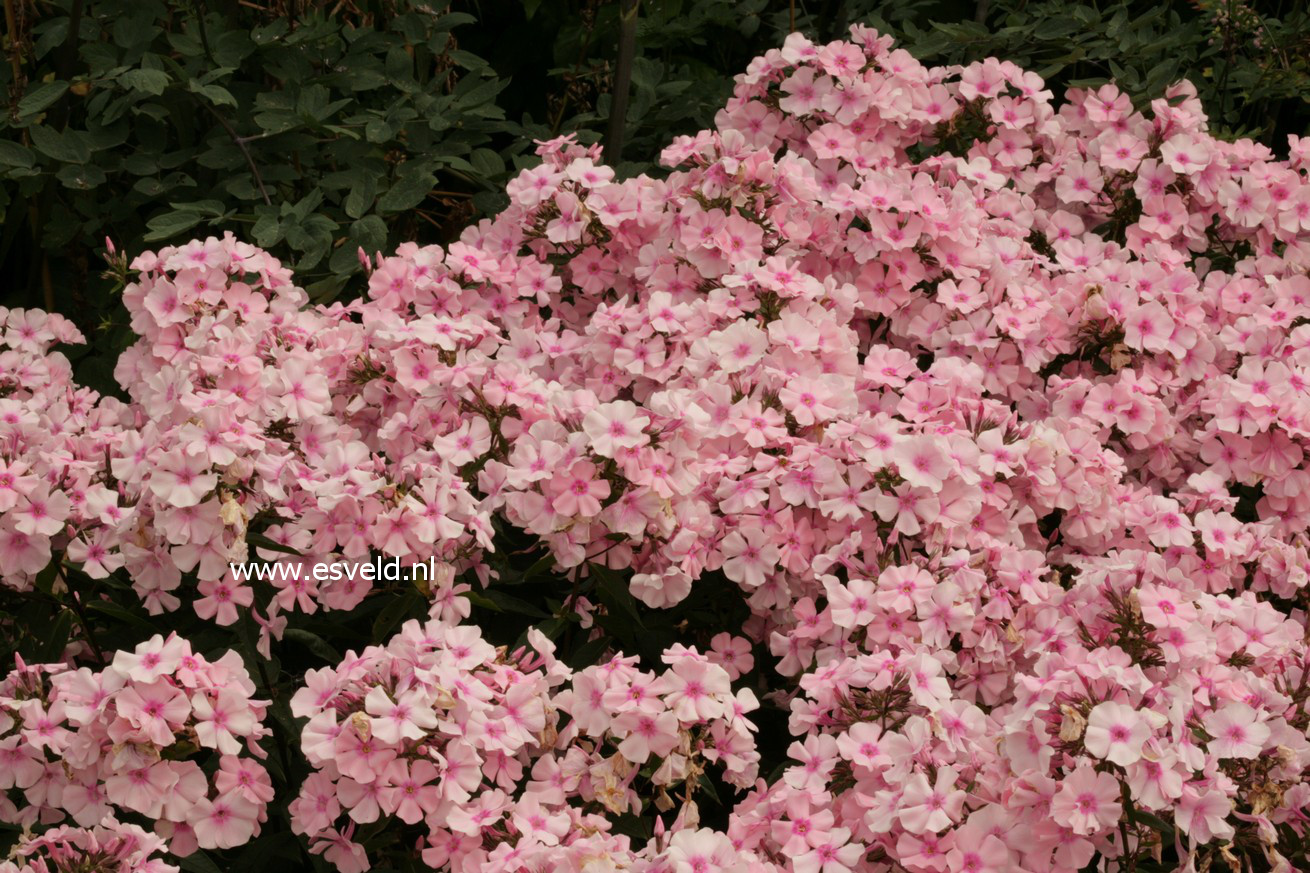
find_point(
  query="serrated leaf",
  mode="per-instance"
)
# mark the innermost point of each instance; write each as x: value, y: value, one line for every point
x: 146, y: 81
x: 216, y: 94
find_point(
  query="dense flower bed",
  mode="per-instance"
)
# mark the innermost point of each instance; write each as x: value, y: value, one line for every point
x: 993, y: 409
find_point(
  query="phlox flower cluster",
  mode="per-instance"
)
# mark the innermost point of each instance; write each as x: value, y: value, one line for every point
x: 1178, y: 706
x: 494, y: 759
x: 56, y: 438
x: 130, y: 740
x: 994, y: 409
x: 230, y: 421
x: 110, y: 847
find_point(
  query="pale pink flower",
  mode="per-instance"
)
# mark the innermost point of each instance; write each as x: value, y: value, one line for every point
x: 1087, y: 802
x: 1236, y: 731
x: 1116, y: 732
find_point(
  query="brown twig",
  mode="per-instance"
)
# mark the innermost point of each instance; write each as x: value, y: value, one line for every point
x: 622, y: 80
x: 250, y: 160
x: 15, y: 51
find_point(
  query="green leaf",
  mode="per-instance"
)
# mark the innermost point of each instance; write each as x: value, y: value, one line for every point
x: 409, y: 190
x: 267, y: 231
x: 305, y: 206
x: 146, y: 81
x: 614, y: 592
x: 270, y: 32
x: 122, y: 614
x: 41, y: 97
x: 150, y: 187
x: 199, y: 862
x: 478, y: 94
x: 377, y: 130
x: 482, y: 600
x: 65, y: 147
x: 393, y: 614
x: 399, y: 65
x: 552, y: 628
x: 361, y: 195
x: 209, y: 208
x: 135, y: 30
x: 171, y: 224
x: 81, y: 177
x: 588, y: 653
x: 315, y: 643
x: 487, y: 163
x: 452, y: 20
x: 539, y: 566
x: 1151, y: 820
x: 324, y: 291
x: 370, y: 233
x: 54, y: 637
x: 45, y: 580
x: 216, y: 94
x: 13, y: 154
x: 499, y: 601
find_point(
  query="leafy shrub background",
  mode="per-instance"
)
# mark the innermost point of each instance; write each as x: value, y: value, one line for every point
x: 315, y: 128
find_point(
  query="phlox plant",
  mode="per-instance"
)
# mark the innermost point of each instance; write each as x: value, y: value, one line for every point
x: 988, y: 412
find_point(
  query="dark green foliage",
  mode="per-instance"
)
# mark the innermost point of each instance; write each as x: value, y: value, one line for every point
x: 315, y: 129
x: 313, y: 137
